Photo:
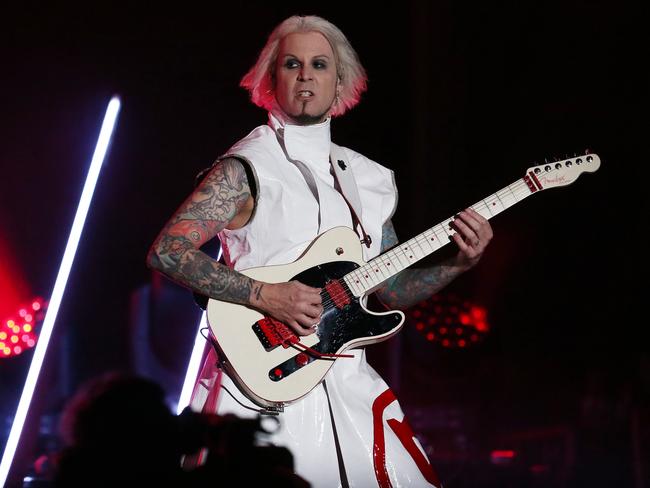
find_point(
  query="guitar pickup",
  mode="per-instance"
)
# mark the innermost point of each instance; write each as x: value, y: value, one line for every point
x: 273, y: 333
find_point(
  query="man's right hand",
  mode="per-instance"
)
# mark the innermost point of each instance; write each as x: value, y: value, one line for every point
x: 294, y: 303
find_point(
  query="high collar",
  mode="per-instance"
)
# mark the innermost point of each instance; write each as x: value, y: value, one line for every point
x: 309, y: 144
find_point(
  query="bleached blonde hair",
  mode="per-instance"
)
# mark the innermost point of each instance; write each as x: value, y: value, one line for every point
x: 259, y: 80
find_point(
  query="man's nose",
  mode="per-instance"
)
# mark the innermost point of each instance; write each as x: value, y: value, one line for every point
x: 305, y: 73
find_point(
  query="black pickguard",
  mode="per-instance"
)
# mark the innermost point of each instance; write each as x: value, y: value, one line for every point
x: 338, y: 326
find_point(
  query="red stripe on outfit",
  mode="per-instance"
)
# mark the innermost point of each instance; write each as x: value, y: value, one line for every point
x: 404, y: 433
x: 379, y: 450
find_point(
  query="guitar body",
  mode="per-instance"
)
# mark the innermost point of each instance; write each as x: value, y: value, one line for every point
x: 272, y: 377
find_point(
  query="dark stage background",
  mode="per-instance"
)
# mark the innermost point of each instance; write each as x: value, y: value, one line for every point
x: 462, y: 99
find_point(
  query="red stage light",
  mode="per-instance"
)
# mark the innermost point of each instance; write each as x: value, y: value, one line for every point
x: 454, y: 319
x: 17, y: 332
x: 502, y: 456
x: 478, y: 313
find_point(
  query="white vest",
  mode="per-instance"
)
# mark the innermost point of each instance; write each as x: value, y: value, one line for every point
x: 286, y: 215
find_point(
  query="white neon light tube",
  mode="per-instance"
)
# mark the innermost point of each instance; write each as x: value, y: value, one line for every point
x: 193, y: 367
x: 192, y: 372
x: 101, y: 148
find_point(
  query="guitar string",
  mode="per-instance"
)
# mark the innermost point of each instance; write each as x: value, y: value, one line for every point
x: 362, y: 274
x: 517, y: 191
x: 514, y: 189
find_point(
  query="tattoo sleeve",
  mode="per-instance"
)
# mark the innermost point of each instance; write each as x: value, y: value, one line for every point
x: 411, y: 286
x: 208, y: 210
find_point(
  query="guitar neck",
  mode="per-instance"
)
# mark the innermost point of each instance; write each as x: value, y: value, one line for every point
x: 368, y: 277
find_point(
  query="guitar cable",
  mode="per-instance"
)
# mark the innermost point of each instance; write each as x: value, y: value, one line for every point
x: 258, y: 410
x: 205, y: 332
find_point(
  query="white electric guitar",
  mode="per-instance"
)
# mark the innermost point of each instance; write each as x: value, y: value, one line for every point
x: 274, y: 367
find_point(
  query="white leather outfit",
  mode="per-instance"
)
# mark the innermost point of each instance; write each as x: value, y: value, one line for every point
x: 377, y: 447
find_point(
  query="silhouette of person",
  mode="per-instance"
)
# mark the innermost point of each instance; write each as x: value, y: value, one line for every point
x: 118, y: 431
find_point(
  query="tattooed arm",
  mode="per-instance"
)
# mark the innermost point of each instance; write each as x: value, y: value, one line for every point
x: 411, y: 286
x: 223, y: 200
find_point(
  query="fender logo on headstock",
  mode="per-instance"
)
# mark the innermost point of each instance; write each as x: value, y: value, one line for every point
x: 552, y: 181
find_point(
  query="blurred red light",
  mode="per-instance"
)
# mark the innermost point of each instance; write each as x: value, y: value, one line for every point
x: 444, y: 315
x: 508, y: 454
x: 478, y: 313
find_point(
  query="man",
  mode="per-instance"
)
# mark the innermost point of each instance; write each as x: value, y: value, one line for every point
x: 267, y: 198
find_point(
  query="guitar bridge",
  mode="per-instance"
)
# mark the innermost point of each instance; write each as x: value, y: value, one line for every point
x: 273, y: 333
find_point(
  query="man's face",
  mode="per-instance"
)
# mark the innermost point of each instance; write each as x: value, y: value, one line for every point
x: 305, y: 77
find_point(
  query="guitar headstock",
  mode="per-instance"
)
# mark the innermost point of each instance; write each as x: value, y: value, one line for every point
x: 561, y: 172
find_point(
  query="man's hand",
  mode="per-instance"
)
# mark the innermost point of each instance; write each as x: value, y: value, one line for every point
x: 294, y: 303
x: 473, y: 234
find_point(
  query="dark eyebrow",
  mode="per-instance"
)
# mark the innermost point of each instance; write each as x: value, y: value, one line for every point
x: 289, y: 55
